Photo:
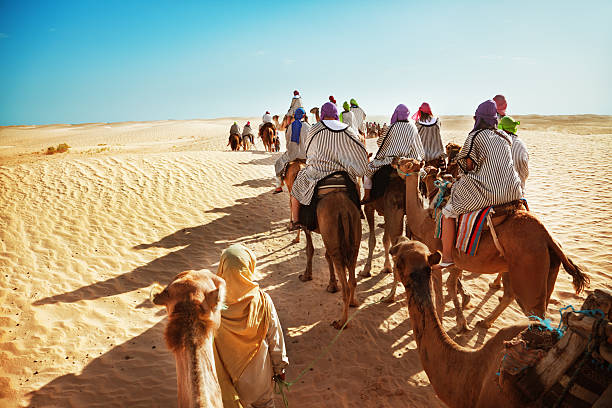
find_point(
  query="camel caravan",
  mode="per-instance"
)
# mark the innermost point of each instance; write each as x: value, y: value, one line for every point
x: 446, y: 208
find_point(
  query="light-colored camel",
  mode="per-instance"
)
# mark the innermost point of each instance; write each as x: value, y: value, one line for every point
x: 315, y: 111
x: 246, y: 143
x: 529, y: 265
x: 461, y: 377
x: 284, y: 124
x: 339, y: 223
x: 234, y: 142
x: 392, y: 207
x: 268, y: 134
x: 193, y: 301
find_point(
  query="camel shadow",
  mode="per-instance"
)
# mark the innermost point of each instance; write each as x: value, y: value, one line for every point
x: 269, y: 160
x: 198, y: 250
x: 115, y: 378
x: 257, y: 183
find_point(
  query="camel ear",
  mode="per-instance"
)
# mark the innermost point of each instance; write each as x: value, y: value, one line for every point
x: 213, y: 299
x: 162, y: 298
x: 398, y: 244
x: 434, y: 259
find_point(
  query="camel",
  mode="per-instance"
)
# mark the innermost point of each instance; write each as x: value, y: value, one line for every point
x: 268, y: 134
x: 529, y: 265
x: 284, y: 124
x: 315, y: 111
x: 461, y: 377
x: 193, y: 301
x: 293, y: 168
x: 392, y: 207
x: 339, y: 223
x: 452, y: 150
x: 246, y: 143
x: 234, y: 142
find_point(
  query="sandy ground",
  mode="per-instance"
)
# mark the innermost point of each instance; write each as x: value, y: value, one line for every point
x: 85, y: 234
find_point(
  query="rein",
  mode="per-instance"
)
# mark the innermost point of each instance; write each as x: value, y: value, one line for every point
x: 407, y: 174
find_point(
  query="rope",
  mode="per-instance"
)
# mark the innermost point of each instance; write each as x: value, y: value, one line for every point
x: 407, y: 174
x: 442, y: 186
x: 281, y: 386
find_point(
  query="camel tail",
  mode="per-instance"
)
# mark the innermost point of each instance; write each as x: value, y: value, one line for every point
x: 346, y: 237
x: 580, y: 279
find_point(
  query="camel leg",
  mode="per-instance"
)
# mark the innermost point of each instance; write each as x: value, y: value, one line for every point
x: 555, y: 263
x: 309, y: 253
x: 393, y: 229
x: 505, y: 300
x: 332, y: 287
x: 369, y: 213
x: 341, y: 273
x: 352, y: 283
x: 390, y: 298
x: 496, y: 284
x: 436, y: 282
x: 451, y: 286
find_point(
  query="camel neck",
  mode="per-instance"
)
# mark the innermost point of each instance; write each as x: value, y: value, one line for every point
x: 197, y: 381
x: 447, y: 364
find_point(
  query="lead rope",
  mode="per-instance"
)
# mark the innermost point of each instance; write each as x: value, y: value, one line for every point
x: 281, y: 385
x: 494, y: 234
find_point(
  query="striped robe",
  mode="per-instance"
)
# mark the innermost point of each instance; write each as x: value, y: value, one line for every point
x: 401, y: 139
x: 359, y: 119
x: 294, y: 150
x: 493, y: 180
x: 520, y: 158
x: 327, y: 152
x: 349, y: 119
x: 431, y: 139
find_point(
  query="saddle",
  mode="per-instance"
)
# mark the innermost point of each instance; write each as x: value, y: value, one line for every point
x: 381, y: 179
x: 335, y: 182
x: 283, y: 173
x: 266, y: 125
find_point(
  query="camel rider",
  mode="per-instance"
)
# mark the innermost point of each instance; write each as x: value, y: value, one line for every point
x: 247, y: 132
x: 359, y: 116
x: 296, y: 136
x: 400, y: 139
x: 332, y: 146
x: 500, y: 106
x: 346, y: 116
x: 249, y: 345
x: 520, y: 156
x: 488, y: 175
x: 296, y: 102
x: 428, y: 126
x: 235, y: 130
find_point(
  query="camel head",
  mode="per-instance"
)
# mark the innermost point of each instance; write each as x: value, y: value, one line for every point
x: 432, y: 171
x: 452, y: 150
x: 314, y: 110
x: 275, y: 119
x: 406, y: 165
x: 193, y: 300
x: 413, y: 263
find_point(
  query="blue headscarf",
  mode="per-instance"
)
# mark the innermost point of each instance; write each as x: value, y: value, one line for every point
x: 296, y: 126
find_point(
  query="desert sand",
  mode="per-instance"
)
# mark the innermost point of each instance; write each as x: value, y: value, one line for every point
x: 85, y: 235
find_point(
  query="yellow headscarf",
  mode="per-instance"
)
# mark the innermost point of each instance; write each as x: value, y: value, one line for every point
x: 244, y: 324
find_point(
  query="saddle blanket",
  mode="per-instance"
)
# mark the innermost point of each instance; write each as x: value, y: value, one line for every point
x: 469, y: 230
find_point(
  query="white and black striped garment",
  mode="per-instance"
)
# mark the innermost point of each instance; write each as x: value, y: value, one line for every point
x: 400, y: 139
x: 359, y: 119
x: 431, y: 139
x: 328, y: 151
x: 493, y: 180
x: 520, y: 158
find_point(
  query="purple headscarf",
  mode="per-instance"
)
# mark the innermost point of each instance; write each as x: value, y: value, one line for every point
x: 487, y: 113
x: 329, y: 110
x: 401, y: 113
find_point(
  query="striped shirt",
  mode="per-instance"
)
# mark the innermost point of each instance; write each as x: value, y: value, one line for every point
x: 349, y: 119
x: 401, y: 139
x: 327, y: 152
x: 520, y: 158
x: 493, y: 180
x: 359, y: 116
x: 431, y: 139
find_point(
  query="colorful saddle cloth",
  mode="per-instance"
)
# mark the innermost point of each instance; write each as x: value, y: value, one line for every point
x: 469, y: 231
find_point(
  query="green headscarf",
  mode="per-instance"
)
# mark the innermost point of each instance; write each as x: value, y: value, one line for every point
x: 346, y: 107
x: 508, y: 124
x: 354, y: 103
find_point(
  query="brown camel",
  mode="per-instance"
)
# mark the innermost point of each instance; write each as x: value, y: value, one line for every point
x: 461, y: 377
x: 392, y: 207
x: 529, y: 265
x: 452, y: 150
x: 234, y: 142
x: 193, y: 301
x: 293, y: 168
x: 315, y: 111
x: 339, y: 223
x: 284, y: 124
x: 268, y: 134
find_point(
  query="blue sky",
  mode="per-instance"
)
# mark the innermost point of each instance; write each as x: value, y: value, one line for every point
x: 106, y: 61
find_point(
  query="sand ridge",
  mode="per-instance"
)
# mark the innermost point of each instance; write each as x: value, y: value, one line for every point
x: 84, y: 236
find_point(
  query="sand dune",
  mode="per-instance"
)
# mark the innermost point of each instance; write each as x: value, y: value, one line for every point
x: 84, y: 235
